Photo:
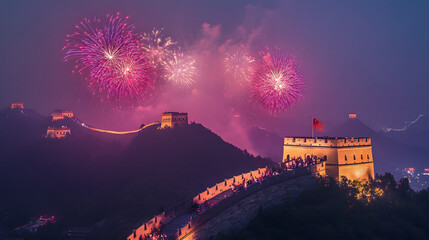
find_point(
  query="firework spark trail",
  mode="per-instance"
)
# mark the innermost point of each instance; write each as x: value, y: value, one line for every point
x: 180, y: 69
x: 241, y: 65
x: 157, y: 48
x: 277, y: 84
x: 106, y: 52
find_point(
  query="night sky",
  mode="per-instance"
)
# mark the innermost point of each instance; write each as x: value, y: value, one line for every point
x: 365, y: 57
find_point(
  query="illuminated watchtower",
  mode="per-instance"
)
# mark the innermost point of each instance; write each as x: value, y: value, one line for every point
x: 173, y: 119
x: 17, y: 105
x: 349, y: 157
x: 54, y: 132
x: 61, y: 114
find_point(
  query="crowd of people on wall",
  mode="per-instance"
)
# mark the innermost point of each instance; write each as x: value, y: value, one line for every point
x: 299, y: 162
x: 289, y: 165
x: 156, y: 234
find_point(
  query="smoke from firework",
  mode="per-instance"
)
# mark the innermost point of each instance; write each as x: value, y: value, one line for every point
x: 241, y: 65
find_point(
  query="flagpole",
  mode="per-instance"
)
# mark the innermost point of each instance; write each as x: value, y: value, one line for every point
x: 312, y: 126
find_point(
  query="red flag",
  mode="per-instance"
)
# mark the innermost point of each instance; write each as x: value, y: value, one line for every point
x: 318, y: 125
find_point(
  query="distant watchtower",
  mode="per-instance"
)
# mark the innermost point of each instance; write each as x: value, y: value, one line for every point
x: 17, y: 105
x: 352, y: 116
x: 61, y: 114
x: 173, y: 119
x: 54, y: 132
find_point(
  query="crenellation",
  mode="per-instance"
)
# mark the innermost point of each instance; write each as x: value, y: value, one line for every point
x: 327, y: 141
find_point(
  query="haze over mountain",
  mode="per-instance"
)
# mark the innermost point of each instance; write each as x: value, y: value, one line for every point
x: 389, y: 154
x: 266, y: 143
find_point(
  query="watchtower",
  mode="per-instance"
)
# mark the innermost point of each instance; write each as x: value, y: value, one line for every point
x: 17, y: 105
x: 349, y: 157
x: 173, y: 119
x: 61, y: 114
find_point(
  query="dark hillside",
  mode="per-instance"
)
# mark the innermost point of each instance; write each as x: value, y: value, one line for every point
x: 84, y: 179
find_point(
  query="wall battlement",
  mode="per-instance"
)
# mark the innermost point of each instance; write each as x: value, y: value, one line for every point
x: 153, y: 223
x: 158, y: 221
x: 61, y: 114
x: 327, y: 141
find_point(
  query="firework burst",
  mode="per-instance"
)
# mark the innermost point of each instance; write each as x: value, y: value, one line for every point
x: 128, y: 80
x: 180, y: 69
x: 157, y: 47
x: 241, y: 65
x: 106, y: 52
x: 277, y: 84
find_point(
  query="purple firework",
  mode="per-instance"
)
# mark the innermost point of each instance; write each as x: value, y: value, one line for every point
x: 106, y: 52
x: 277, y: 84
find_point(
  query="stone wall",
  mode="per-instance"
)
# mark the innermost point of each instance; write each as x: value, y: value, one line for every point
x: 227, y: 184
x: 155, y: 222
x: 237, y: 211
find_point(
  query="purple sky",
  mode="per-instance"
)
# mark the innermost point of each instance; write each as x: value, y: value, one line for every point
x: 365, y: 57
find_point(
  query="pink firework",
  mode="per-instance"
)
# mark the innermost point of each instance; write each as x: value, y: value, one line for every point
x: 106, y: 52
x: 157, y: 47
x: 240, y: 65
x: 180, y: 69
x: 277, y: 84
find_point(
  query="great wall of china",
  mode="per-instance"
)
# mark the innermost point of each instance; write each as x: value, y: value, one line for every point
x: 169, y: 119
x: 178, y: 222
x: 203, y: 216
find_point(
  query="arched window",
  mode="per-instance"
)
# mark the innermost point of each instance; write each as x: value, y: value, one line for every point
x: 345, y: 157
x: 287, y: 157
x: 367, y: 156
x: 354, y: 157
x: 361, y: 156
x: 325, y: 158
